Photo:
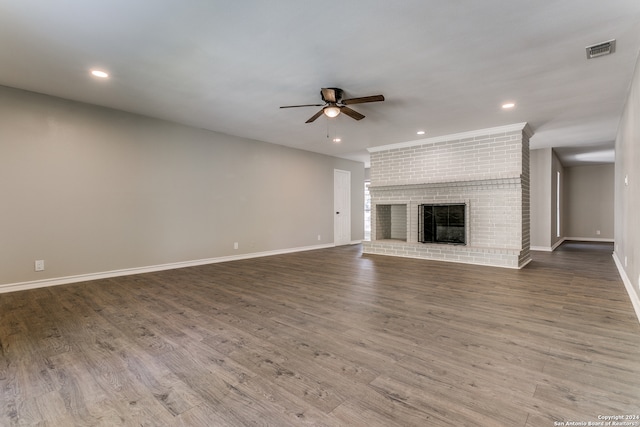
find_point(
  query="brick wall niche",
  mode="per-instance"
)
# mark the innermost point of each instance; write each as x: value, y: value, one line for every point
x: 391, y: 222
x: 487, y: 170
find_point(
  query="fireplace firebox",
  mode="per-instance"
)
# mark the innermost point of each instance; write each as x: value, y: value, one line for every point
x: 440, y: 223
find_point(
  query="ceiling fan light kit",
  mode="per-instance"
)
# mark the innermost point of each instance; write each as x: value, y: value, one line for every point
x: 334, y: 104
x: 331, y: 111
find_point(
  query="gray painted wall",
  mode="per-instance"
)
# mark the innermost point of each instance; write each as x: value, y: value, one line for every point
x: 556, y: 167
x: 589, y: 201
x: 545, y: 166
x: 540, y: 193
x: 627, y: 195
x: 90, y: 190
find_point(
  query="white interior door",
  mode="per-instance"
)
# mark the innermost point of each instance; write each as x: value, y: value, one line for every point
x: 341, y: 207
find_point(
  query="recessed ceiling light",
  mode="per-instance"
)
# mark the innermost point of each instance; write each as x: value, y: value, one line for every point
x: 420, y: 132
x: 99, y: 73
x: 508, y: 105
x: 337, y: 140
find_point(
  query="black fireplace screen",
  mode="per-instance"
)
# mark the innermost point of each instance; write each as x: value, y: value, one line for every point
x: 442, y: 224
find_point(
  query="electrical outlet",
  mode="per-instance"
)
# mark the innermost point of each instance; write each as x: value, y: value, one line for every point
x: 319, y: 238
x: 598, y: 232
x: 235, y: 245
x: 39, y: 265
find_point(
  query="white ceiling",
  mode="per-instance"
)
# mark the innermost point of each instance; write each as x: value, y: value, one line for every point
x: 443, y: 66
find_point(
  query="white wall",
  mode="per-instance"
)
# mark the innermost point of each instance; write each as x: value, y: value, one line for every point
x: 540, y: 193
x: 557, y: 169
x: 545, y: 167
x: 627, y: 193
x: 91, y: 190
x: 589, y: 202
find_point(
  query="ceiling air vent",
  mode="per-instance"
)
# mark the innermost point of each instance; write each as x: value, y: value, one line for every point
x: 601, y: 49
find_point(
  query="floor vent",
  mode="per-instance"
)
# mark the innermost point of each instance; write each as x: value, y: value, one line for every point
x: 601, y: 49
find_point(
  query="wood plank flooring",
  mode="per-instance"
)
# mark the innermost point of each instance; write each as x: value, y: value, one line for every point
x: 327, y: 338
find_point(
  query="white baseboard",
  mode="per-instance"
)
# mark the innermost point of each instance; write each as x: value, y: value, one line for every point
x: 633, y: 295
x: 589, y: 239
x: 541, y: 248
x: 548, y: 248
x: 556, y: 244
x: 524, y: 264
x: 12, y: 287
x: 571, y: 239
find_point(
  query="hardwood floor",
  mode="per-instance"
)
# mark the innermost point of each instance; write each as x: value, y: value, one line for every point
x: 328, y: 338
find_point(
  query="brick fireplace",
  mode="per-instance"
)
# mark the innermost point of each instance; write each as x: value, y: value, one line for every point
x: 486, y: 171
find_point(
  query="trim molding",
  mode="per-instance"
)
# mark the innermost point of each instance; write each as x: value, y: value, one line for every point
x: 524, y: 264
x: 21, y: 286
x: 488, y: 182
x: 571, y: 239
x: 524, y: 127
x: 589, y: 239
x: 541, y: 248
x: 556, y: 244
x: 633, y: 295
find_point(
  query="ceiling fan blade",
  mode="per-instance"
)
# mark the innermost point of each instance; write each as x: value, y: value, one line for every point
x: 329, y: 94
x: 304, y: 105
x: 315, y: 116
x: 372, y: 98
x: 351, y: 113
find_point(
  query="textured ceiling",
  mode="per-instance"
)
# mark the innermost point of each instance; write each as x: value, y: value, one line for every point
x: 443, y: 66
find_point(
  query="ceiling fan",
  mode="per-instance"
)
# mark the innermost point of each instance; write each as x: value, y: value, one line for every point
x: 334, y: 104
